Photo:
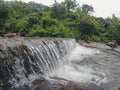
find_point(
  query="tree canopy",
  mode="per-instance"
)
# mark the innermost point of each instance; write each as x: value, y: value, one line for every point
x: 65, y: 19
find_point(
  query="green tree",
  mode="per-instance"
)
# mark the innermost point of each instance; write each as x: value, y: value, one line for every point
x: 4, y: 10
x: 58, y: 10
x: 88, y: 27
x: 70, y: 5
x: 87, y: 9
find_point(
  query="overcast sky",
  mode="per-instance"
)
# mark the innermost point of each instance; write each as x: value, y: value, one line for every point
x: 103, y: 8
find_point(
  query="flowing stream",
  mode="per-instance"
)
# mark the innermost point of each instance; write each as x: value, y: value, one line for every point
x: 25, y: 63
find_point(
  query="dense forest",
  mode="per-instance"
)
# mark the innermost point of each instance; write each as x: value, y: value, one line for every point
x: 66, y: 19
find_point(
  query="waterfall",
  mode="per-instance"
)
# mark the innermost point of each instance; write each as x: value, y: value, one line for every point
x: 51, y: 63
x: 23, y: 60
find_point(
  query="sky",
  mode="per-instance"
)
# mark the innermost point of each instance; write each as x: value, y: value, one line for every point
x: 102, y: 8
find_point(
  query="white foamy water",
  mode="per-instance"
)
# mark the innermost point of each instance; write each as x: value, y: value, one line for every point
x: 75, y: 72
x: 80, y: 52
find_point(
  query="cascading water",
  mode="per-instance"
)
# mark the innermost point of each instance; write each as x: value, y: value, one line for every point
x: 24, y: 60
x: 46, y: 64
x: 78, y: 72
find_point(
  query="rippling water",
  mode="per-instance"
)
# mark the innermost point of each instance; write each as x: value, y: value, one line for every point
x: 52, y: 64
x: 93, y: 67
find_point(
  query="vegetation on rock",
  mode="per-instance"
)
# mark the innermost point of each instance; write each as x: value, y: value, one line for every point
x: 65, y: 19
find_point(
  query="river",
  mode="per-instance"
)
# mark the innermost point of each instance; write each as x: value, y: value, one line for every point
x: 52, y: 64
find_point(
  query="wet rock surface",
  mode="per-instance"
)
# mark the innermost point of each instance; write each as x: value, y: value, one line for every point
x: 24, y: 61
x: 105, y: 66
x: 34, y: 64
x: 108, y: 60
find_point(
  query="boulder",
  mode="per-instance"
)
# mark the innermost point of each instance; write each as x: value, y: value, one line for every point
x: 10, y: 35
x: 112, y: 44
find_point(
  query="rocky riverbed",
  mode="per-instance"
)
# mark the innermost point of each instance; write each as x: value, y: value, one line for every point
x: 93, y: 66
x: 58, y: 64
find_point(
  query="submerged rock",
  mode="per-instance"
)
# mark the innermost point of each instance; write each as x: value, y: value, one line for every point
x: 24, y: 60
x: 70, y: 86
x: 57, y: 64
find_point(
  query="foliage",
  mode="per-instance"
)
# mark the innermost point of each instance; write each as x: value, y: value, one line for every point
x: 87, y: 9
x: 66, y: 19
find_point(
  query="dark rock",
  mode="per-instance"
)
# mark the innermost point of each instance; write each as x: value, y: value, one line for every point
x: 41, y: 84
x: 119, y: 88
x: 1, y: 37
x: 70, y: 86
x: 112, y: 44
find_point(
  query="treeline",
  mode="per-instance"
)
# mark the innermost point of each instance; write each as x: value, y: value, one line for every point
x: 65, y: 19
